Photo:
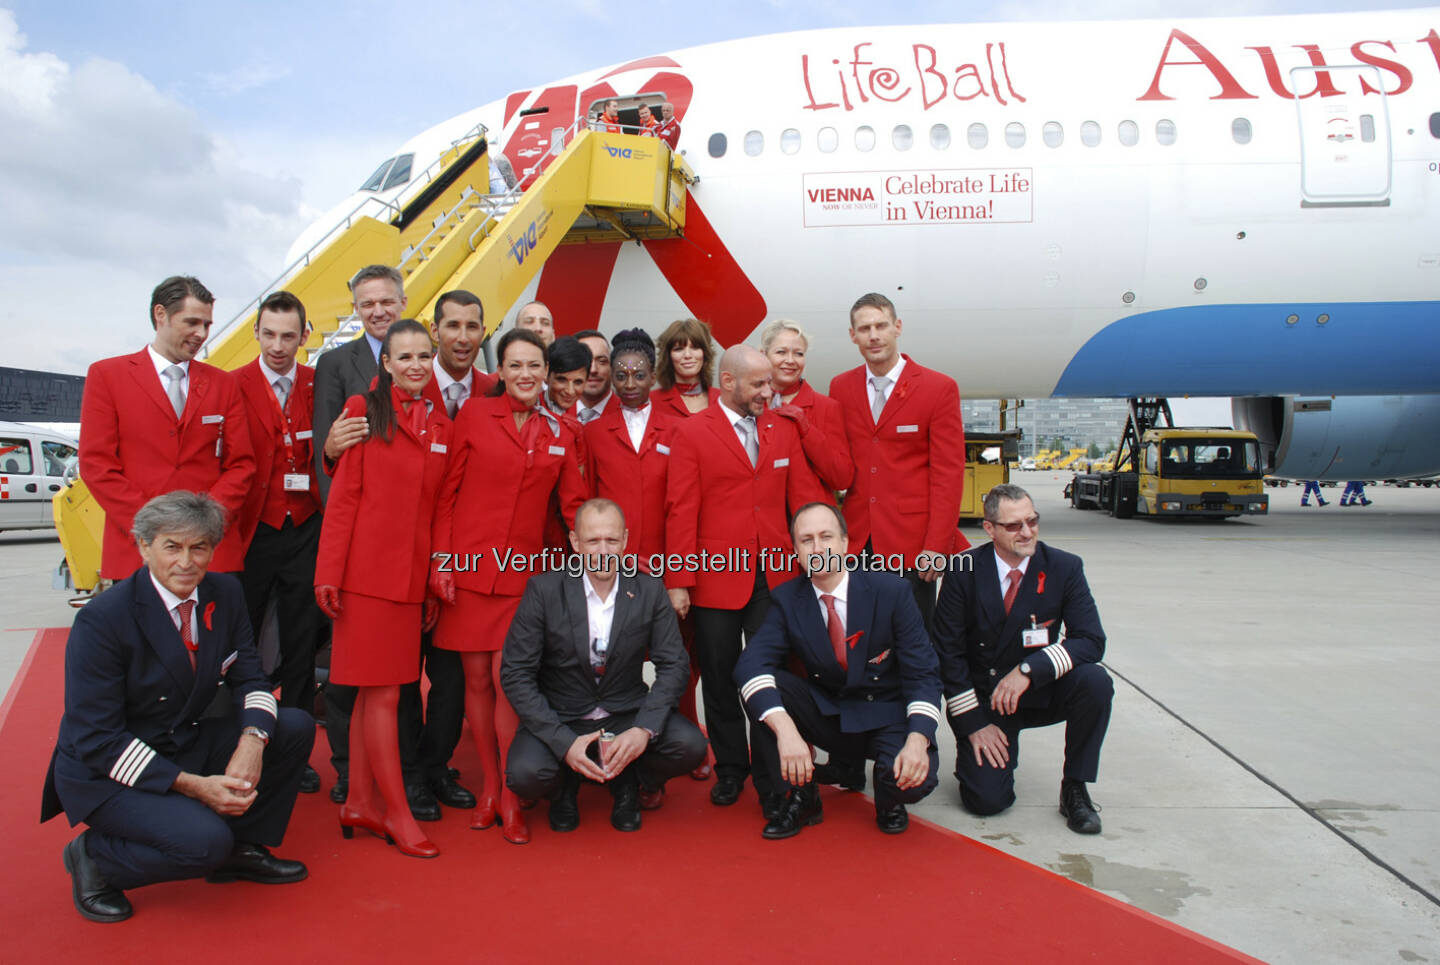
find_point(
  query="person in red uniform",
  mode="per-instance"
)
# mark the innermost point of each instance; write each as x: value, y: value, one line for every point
x: 157, y: 421
x: 685, y: 368
x: 649, y: 127
x: 908, y: 442
x: 609, y: 119
x: 510, y: 455
x: 280, y: 521
x: 568, y: 362
x: 372, y: 571
x: 816, y: 416
x: 669, y: 129
x: 737, y: 470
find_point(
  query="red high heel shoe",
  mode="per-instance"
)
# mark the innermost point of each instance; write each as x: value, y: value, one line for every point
x: 423, y: 848
x: 352, y: 818
x: 513, y: 826
x: 484, y: 814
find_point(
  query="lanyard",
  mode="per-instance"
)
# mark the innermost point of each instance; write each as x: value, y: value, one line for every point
x: 287, y: 438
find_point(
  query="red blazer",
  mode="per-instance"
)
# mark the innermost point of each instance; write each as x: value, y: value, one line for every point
x: 376, y: 536
x: 909, y: 469
x: 826, y: 448
x: 669, y: 132
x: 557, y: 529
x: 267, y: 500
x: 715, y: 502
x: 132, y: 449
x: 635, y: 480
x: 495, y: 496
x: 673, y: 400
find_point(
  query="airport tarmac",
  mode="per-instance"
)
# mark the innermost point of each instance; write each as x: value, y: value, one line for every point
x: 1270, y: 776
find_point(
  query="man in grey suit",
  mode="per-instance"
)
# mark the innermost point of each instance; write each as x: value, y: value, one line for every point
x: 573, y: 669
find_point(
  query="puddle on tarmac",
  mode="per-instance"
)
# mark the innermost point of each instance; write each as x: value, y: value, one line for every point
x: 1160, y: 892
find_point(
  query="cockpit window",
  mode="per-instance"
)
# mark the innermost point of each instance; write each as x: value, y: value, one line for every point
x: 400, y: 173
x: 376, y: 180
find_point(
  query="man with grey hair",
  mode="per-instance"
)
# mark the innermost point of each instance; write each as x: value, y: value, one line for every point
x: 172, y: 748
x: 1006, y: 665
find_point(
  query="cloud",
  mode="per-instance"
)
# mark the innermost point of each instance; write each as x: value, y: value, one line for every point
x: 246, y: 78
x: 109, y: 184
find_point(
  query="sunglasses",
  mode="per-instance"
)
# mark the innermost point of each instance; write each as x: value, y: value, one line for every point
x: 1033, y: 522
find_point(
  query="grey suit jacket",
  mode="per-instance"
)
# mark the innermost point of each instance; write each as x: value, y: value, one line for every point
x: 545, y: 668
x: 339, y: 374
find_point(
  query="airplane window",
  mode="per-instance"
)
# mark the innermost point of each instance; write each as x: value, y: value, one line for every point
x: 400, y: 173
x: 1165, y: 132
x: 754, y: 143
x: 940, y: 137
x: 717, y: 145
x: 865, y: 138
x: 1090, y: 134
x: 1240, y: 130
x: 1435, y: 125
x: 1053, y: 134
x: 827, y: 140
x: 1129, y: 133
x: 1367, y: 128
x: 902, y: 137
x: 790, y: 140
x: 977, y: 135
x: 374, y: 181
x: 1015, y: 134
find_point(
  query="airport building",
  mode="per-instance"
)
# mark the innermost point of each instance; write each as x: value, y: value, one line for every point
x: 28, y: 396
x: 1075, y: 422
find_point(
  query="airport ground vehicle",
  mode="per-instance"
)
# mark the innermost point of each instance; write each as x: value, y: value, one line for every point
x: 34, y: 464
x: 988, y: 459
x: 1166, y: 470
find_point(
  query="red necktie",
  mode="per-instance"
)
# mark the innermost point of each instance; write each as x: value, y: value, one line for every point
x: 836, y: 627
x: 187, y: 634
x: 1015, y: 577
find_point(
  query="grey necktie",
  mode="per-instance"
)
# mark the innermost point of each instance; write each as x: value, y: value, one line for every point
x: 746, y: 428
x: 282, y: 391
x: 174, y: 376
x: 588, y: 415
x: 881, y: 383
x: 455, y: 394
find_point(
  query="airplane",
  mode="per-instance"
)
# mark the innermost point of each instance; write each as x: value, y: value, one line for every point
x: 1244, y: 207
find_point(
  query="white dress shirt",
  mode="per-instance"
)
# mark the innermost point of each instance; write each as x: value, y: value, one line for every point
x: 172, y: 603
x: 635, y: 422
x: 1003, y: 569
x: 161, y: 363
x: 840, y: 593
x: 601, y: 617
x: 443, y: 381
x: 893, y: 375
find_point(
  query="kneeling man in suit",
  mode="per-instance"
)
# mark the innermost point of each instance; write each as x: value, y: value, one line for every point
x: 1006, y: 666
x: 573, y: 669
x: 174, y: 779
x: 870, y: 689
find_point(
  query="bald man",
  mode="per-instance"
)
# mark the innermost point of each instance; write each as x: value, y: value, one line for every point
x: 537, y: 318
x: 737, y: 472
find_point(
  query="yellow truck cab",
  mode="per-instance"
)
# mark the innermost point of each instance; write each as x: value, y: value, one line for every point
x: 1200, y: 472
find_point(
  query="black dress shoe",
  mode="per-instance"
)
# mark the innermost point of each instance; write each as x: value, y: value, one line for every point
x: 1078, y: 810
x: 802, y: 808
x: 309, y: 780
x: 423, y: 805
x: 564, y: 809
x: 842, y: 773
x: 94, y: 897
x: 892, y: 820
x: 726, y: 790
x: 625, y: 812
x: 340, y: 790
x: 450, y: 794
x: 771, y: 805
x: 254, y: 862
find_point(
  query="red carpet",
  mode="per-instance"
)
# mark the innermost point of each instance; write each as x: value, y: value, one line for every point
x: 698, y: 883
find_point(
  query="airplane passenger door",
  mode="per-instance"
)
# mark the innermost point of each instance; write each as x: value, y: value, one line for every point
x: 1345, y: 157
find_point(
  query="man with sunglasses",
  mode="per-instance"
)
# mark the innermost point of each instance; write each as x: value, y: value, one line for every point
x: 1005, y: 664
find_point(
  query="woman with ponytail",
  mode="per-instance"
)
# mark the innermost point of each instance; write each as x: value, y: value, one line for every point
x: 372, y: 570
x: 509, y: 456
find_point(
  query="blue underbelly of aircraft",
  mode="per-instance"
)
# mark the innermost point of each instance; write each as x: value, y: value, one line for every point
x: 1362, y: 348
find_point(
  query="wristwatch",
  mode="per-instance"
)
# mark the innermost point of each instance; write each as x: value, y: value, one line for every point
x: 1024, y: 668
x: 256, y: 732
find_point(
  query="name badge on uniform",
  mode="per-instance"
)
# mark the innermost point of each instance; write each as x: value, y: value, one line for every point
x: 297, y: 482
x: 899, y: 429
x: 661, y: 448
x: 304, y: 434
x: 557, y: 450
x: 782, y: 463
x: 1036, y: 636
x: 212, y: 420
x: 437, y: 447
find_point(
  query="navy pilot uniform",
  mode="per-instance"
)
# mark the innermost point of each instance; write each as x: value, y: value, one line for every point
x: 137, y: 715
x: 889, y: 688
x: 978, y: 644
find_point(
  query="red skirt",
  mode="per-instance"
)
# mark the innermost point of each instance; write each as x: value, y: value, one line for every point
x: 475, y: 622
x: 376, y: 642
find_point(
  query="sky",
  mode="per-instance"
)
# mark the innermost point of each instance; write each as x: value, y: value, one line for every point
x: 140, y: 139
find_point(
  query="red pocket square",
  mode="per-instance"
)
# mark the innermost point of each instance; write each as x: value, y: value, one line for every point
x: 879, y: 657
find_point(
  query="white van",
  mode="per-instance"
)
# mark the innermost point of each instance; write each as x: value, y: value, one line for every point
x: 35, y: 464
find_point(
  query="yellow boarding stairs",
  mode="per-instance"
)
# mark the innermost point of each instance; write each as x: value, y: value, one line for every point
x: 444, y: 231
